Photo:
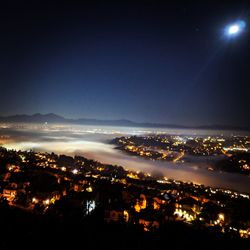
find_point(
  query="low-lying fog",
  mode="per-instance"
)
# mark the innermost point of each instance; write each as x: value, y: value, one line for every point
x: 94, y: 142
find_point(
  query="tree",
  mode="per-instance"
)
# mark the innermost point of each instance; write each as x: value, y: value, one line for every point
x: 22, y: 199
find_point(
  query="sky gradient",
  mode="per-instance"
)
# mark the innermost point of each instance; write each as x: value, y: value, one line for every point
x: 146, y: 61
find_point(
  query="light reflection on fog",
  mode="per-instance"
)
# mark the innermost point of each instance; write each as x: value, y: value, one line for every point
x: 93, y: 142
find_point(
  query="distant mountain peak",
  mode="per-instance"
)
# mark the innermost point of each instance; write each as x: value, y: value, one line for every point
x: 46, y: 115
x: 36, y: 114
x: 54, y: 118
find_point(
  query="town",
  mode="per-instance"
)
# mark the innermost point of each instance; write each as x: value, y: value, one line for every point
x: 76, y: 188
x: 177, y: 149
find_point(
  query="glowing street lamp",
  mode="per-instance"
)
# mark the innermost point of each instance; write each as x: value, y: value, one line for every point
x: 221, y: 217
x: 75, y: 171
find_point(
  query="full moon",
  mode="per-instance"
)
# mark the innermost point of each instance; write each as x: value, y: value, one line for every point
x: 235, y: 29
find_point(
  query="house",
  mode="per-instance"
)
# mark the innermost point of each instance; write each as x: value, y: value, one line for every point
x: 149, y: 225
x: 158, y: 202
x: 140, y: 203
x: 9, y: 194
x: 46, y: 198
x: 149, y: 220
x: 116, y: 216
x: 78, y: 188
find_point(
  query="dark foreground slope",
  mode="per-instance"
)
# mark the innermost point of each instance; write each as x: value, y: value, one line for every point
x: 21, y: 230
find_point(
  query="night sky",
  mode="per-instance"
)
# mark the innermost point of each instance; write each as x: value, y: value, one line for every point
x: 147, y: 61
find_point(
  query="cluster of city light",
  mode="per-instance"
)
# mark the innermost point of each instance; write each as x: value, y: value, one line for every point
x: 244, y: 233
x: 184, y: 214
x: 132, y: 176
x: 45, y: 202
x: 220, y: 220
x: 141, y: 203
x: 235, y: 149
x: 89, y: 189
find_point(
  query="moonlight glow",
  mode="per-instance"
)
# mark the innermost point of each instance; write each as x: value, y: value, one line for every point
x: 235, y: 28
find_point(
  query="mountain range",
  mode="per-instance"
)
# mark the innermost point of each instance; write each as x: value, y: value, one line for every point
x: 53, y: 119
